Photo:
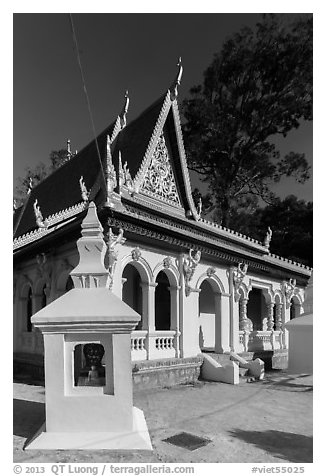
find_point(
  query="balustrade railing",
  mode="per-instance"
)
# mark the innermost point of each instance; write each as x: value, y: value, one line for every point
x: 260, y: 340
x: 138, y: 345
x: 156, y: 345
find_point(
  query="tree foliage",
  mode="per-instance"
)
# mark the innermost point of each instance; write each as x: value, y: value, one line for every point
x: 290, y: 219
x: 257, y: 87
x: 35, y: 175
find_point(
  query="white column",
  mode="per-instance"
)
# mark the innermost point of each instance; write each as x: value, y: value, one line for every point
x: 189, y: 324
x: 149, y: 316
x: 175, y: 325
x: 286, y: 318
x: 222, y: 323
x: 270, y: 316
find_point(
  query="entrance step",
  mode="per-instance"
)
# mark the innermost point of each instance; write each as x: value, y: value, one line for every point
x: 220, y: 358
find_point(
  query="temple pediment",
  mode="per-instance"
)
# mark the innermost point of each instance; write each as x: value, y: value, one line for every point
x: 159, y: 180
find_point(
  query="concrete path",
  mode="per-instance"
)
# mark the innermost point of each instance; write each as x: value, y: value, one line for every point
x: 259, y: 422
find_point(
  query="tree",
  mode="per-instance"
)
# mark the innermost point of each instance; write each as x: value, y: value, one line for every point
x: 257, y: 87
x: 58, y: 158
x: 34, y: 176
x: 291, y: 221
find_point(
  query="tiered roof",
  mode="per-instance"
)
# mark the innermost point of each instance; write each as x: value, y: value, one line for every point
x: 126, y: 179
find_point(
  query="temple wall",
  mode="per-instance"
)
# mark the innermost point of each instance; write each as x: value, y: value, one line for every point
x: 212, y: 321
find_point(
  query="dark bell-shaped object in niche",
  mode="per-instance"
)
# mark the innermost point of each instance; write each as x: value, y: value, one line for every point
x: 93, y: 354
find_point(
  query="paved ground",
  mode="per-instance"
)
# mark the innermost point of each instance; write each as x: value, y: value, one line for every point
x: 258, y: 422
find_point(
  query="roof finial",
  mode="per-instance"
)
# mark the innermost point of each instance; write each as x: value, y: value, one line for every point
x: 30, y: 185
x: 123, y: 114
x: 177, y: 81
x: 69, y: 153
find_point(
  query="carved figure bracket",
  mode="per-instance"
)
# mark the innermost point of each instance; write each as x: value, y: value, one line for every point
x: 111, y: 255
x: 190, y: 263
x: 288, y: 289
x: 238, y: 275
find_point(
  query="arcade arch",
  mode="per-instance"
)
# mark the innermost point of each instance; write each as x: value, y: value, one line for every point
x: 210, y: 313
x: 132, y: 293
x: 162, y: 302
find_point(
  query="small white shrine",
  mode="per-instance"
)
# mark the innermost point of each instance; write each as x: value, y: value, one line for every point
x: 301, y: 336
x: 87, y: 359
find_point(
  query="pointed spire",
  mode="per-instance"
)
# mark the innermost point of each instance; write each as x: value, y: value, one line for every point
x: 123, y: 114
x: 177, y: 81
x: 90, y: 271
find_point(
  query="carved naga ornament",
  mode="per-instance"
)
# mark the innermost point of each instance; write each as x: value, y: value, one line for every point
x: 111, y: 256
x: 288, y: 289
x: 177, y: 81
x: 238, y: 276
x: 190, y: 263
x: 125, y: 177
x: 41, y: 223
x: 83, y: 189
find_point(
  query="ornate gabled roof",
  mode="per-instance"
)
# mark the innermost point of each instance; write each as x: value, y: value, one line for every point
x: 151, y: 150
x: 142, y: 168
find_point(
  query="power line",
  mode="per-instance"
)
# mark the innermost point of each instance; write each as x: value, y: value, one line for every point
x: 84, y: 83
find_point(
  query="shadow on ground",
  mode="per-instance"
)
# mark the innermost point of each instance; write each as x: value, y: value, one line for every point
x: 281, y: 381
x: 28, y: 417
x: 288, y: 446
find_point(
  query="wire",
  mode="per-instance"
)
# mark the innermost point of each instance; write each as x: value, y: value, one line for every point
x: 84, y: 84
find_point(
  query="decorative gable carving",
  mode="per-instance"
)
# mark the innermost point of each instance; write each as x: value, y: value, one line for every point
x: 159, y: 181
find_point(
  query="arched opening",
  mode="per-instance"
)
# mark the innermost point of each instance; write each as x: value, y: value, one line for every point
x: 257, y: 310
x: 29, y: 310
x: 162, y: 303
x: 206, y: 316
x: 132, y: 293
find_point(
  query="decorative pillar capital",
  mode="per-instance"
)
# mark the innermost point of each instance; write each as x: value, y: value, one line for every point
x: 167, y: 262
x: 136, y: 254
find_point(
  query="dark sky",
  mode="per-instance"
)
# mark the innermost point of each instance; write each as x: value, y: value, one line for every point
x: 137, y: 52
